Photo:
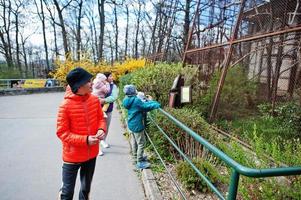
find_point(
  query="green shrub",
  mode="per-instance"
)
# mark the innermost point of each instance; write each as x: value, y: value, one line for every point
x: 281, y: 150
x: 236, y: 97
x: 289, y: 114
x: 191, y: 180
x: 10, y: 74
x: 183, y: 140
x: 126, y: 79
x: 156, y: 80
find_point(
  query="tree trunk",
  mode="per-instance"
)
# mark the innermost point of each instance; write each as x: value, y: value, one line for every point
x: 111, y: 50
x: 24, y: 56
x: 94, y: 50
x: 102, y: 27
x: 277, y: 72
x: 62, y: 24
x: 42, y: 18
x: 186, y: 22
x: 7, y: 9
x: 96, y: 40
x: 143, y: 42
x: 78, y: 35
x: 53, y: 23
x: 18, y: 62
x: 279, y: 59
x: 152, y: 39
x: 293, y: 73
x: 137, y: 30
x: 55, y: 40
x: 116, y: 32
x: 6, y: 51
x: 169, y: 27
x: 269, y: 68
x: 126, y: 33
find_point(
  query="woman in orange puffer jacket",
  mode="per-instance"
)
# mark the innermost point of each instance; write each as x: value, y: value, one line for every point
x: 80, y: 126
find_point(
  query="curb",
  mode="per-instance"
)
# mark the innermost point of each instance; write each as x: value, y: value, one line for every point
x: 150, y: 186
x: 22, y: 91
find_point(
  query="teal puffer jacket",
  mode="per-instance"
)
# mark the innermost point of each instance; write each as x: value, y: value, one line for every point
x: 136, y: 109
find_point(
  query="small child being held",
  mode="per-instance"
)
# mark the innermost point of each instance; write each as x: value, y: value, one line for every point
x: 100, y: 89
x: 136, y: 111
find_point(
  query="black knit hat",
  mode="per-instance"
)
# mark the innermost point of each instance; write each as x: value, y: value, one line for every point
x: 78, y: 77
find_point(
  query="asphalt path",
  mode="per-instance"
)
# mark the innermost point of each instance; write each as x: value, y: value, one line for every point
x: 30, y: 154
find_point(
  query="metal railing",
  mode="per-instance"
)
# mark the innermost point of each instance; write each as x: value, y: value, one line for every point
x: 7, y: 83
x: 237, y: 168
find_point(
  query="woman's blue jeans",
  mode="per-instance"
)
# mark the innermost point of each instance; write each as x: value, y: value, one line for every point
x: 69, y: 178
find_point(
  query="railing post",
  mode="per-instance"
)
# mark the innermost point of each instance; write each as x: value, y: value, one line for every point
x: 233, y: 185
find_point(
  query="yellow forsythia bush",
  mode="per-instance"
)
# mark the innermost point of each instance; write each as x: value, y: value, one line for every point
x: 118, y: 69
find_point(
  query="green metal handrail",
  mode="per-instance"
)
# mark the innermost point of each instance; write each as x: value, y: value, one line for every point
x: 165, y: 166
x: 212, y: 187
x: 237, y: 169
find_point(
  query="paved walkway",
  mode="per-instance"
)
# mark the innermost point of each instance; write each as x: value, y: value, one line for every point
x: 30, y: 154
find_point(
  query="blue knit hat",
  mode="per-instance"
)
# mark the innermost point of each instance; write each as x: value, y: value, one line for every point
x: 130, y: 90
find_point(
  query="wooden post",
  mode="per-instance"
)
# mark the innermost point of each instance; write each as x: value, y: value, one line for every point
x: 226, y: 63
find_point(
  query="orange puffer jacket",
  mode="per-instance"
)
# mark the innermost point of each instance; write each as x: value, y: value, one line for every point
x: 78, y: 117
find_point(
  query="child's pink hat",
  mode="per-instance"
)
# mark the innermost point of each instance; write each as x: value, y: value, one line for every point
x: 101, y: 77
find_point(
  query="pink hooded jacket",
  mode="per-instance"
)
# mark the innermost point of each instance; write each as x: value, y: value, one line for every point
x: 100, y: 87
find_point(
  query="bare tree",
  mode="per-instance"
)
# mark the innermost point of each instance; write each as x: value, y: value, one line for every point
x: 126, y: 32
x: 111, y: 48
x: 101, y: 12
x: 40, y: 11
x: 161, y: 28
x: 93, y: 31
x: 53, y: 23
x: 62, y: 23
x: 186, y: 22
x: 16, y: 13
x: 143, y: 46
x: 6, y: 47
x: 23, y: 42
x: 138, y: 15
x: 170, y: 25
x: 116, y: 30
x: 78, y: 28
x: 153, y: 28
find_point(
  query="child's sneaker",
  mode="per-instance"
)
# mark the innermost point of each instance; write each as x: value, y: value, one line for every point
x: 144, y: 158
x: 104, y: 144
x: 100, y: 153
x: 143, y: 165
x: 105, y: 115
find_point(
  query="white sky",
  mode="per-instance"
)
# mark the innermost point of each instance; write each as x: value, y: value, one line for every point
x: 35, y: 25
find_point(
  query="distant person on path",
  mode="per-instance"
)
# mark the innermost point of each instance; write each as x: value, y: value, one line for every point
x: 80, y: 127
x: 110, y: 98
x: 136, y: 111
x: 49, y: 83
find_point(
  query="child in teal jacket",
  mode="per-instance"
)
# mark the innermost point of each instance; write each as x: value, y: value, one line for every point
x: 136, y: 109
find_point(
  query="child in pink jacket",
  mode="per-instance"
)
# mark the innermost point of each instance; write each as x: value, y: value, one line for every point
x: 101, y: 88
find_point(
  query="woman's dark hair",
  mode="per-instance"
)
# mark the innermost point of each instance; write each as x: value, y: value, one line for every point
x: 107, y: 74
